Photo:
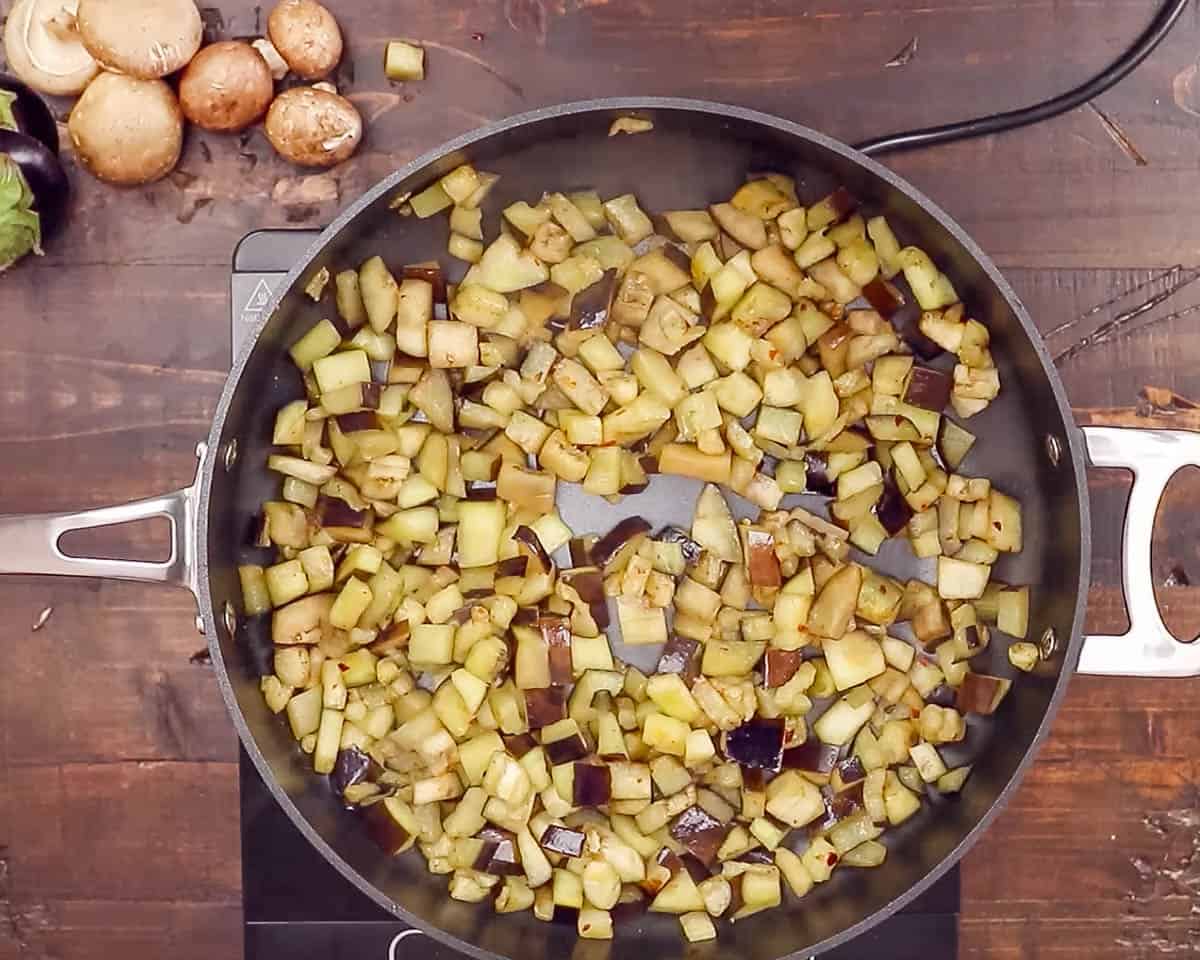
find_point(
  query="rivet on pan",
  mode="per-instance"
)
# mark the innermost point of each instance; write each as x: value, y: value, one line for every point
x: 1048, y: 645
x: 230, y: 618
x: 1053, y: 449
x: 231, y: 453
x: 199, y: 624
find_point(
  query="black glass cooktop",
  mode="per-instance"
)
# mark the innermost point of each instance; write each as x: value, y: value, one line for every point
x: 298, y: 907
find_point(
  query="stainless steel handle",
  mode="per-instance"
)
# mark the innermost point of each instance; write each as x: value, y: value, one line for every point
x: 29, y: 543
x: 1147, y: 649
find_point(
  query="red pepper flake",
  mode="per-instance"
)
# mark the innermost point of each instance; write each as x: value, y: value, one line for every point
x: 343, y: 667
x: 831, y: 859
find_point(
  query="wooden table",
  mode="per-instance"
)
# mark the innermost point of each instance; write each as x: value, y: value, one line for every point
x: 118, y: 806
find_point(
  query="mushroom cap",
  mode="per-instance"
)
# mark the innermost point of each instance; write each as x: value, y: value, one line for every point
x: 148, y: 39
x: 313, y: 128
x: 226, y: 87
x: 307, y: 37
x: 45, y: 51
x: 127, y: 131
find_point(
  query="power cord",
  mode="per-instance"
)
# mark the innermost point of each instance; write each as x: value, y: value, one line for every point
x: 1120, y: 68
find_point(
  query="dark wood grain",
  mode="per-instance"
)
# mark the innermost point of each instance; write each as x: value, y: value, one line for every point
x: 118, y: 807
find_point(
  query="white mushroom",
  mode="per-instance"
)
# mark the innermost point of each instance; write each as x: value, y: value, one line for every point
x: 127, y: 131
x: 143, y: 38
x: 44, y: 48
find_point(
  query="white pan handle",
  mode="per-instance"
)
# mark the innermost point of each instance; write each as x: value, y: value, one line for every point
x: 29, y: 543
x: 1148, y: 648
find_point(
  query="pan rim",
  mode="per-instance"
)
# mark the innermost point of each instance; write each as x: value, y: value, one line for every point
x: 1072, y: 436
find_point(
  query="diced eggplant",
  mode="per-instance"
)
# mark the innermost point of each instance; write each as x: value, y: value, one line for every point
x: 953, y: 443
x: 589, y: 307
x: 592, y: 785
x: 762, y: 564
x: 884, y: 296
x: 690, y: 548
x: 713, y: 526
x: 700, y: 832
x: 816, y: 474
x: 928, y: 388
x: 519, y: 744
x: 392, y: 825
x: 892, y: 509
x: 334, y: 512
x: 758, y: 743
x: 834, y: 606
x: 851, y: 770
x: 562, y: 840
x: 566, y: 748
x: 623, y: 534
x: 556, y: 633
x: 432, y: 274
x: 528, y: 539
x: 581, y: 552
x: 682, y: 656
x: 779, y: 666
x: 499, y: 854
x: 545, y: 706
x: 352, y: 766
x: 587, y: 581
x: 812, y: 756
x: 353, y: 422
x: 981, y: 693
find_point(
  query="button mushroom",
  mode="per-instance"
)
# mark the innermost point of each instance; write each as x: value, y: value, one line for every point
x: 148, y: 39
x: 313, y: 128
x: 44, y: 48
x: 127, y: 131
x: 226, y: 87
x: 306, y: 36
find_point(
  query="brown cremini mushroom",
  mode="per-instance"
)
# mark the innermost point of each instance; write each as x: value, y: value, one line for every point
x: 313, y: 128
x: 226, y: 87
x: 306, y: 36
x: 127, y: 131
x: 148, y: 39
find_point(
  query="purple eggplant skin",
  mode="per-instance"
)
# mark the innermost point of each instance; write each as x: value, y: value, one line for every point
x: 25, y: 112
x: 352, y: 766
x: 812, y: 755
x: 758, y: 743
x: 892, y: 510
x: 45, y: 175
x: 593, y: 785
x: 816, y: 469
x: 680, y: 655
x: 700, y: 832
x: 691, y: 549
x: 562, y: 840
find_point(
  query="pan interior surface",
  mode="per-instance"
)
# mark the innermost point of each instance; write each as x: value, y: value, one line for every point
x: 695, y: 155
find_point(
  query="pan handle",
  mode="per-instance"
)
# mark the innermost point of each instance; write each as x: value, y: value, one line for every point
x: 30, y: 543
x: 1147, y: 649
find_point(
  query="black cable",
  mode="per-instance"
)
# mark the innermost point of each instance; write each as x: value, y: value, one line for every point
x: 1116, y: 71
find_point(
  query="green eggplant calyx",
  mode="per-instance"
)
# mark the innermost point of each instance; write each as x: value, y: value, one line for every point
x: 8, y: 118
x: 20, y: 225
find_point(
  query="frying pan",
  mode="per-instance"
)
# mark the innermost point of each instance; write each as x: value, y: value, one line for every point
x: 697, y: 151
